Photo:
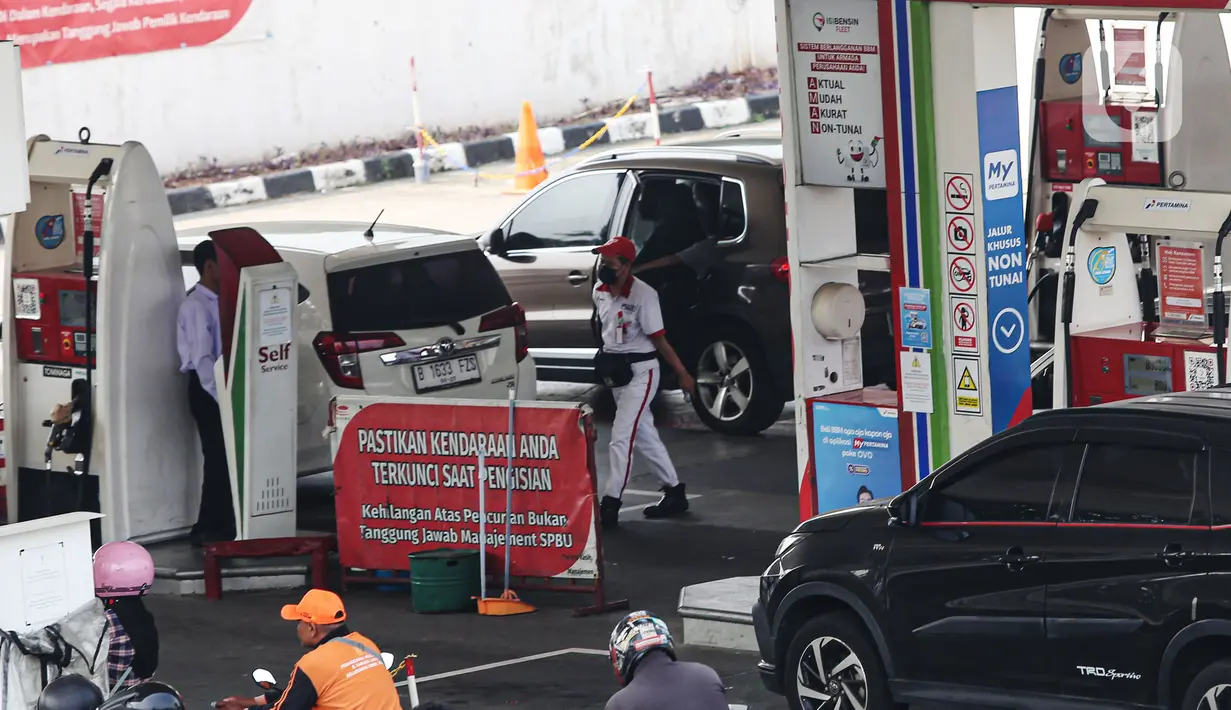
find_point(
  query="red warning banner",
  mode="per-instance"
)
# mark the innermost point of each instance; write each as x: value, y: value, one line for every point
x: 407, y: 480
x: 52, y: 32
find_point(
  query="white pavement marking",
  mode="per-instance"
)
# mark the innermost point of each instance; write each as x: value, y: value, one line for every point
x: 630, y: 127
x: 510, y: 662
x: 238, y: 192
x: 727, y: 112
x: 335, y: 176
x: 551, y: 140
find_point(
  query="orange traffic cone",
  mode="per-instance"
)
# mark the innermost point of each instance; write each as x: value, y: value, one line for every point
x: 531, y: 166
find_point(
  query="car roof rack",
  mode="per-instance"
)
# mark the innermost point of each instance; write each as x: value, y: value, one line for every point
x: 694, y: 152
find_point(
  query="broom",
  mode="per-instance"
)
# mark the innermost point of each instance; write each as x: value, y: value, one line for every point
x: 508, y: 603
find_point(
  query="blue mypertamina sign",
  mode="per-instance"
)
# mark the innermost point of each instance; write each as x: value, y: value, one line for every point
x: 1004, y: 247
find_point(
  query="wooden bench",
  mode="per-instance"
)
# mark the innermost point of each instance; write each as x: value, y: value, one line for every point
x: 318, y: 547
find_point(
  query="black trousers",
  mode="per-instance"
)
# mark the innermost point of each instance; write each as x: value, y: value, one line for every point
x: 217, y: 514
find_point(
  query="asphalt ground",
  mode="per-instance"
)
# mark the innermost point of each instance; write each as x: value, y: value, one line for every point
x: 744, y: 504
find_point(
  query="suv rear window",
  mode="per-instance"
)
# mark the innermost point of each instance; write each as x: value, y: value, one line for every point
x: 415, y: 293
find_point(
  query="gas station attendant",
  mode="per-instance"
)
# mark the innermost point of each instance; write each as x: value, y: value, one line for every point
x: 633, y: 337
x: 199, y: 339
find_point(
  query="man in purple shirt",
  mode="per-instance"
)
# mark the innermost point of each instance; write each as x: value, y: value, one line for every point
x: 199, y: 338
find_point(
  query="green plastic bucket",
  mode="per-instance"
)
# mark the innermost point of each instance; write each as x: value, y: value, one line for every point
x: 444, y: 580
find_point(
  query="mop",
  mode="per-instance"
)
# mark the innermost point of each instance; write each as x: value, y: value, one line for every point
x: 507, y: 604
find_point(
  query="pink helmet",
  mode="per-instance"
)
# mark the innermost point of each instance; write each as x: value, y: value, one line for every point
x: 122, y: 569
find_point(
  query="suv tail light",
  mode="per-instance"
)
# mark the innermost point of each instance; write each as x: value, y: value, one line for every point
x: 781, y: 269
x: 514, y: 317
x: 339, y: 353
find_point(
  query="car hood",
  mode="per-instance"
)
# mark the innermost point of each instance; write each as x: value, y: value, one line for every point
x: 838, y: 519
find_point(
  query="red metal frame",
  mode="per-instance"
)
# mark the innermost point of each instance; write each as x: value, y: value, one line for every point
x: 318, y: 547
x: 596, y: 586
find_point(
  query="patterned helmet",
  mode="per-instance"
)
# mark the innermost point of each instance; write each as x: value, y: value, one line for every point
x: 636, y: 635
x: 122, y: 569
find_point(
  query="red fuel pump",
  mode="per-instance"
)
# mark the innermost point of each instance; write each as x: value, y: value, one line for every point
x: 1111, y: 351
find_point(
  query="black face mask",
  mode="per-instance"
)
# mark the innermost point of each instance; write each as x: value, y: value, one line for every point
x: 608, y: 275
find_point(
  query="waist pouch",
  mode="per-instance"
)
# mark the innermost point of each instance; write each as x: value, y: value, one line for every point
x: 616, y: 369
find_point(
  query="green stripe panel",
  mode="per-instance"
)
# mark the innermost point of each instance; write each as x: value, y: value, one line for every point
x: 239, y: 412
x: 931, y: 241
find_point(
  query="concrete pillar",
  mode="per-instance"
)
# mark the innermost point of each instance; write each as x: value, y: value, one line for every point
x: 978, y: 170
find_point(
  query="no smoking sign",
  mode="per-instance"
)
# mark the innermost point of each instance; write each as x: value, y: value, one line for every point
x: 958, y: 192
x: 961, y: 233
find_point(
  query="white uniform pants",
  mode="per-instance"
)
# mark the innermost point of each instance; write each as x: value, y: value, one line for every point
x: 634, y: 426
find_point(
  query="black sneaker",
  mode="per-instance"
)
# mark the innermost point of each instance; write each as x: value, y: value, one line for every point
x: 609, y: 512
x: 673, y: 503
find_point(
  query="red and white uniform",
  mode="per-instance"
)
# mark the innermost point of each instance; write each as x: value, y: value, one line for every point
x: 628, y: 320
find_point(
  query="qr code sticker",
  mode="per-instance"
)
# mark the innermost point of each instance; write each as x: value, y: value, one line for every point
x: 25, y: 296
x: 1200, y: 371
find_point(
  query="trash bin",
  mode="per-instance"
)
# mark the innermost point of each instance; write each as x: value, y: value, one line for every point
x: 444, y: 580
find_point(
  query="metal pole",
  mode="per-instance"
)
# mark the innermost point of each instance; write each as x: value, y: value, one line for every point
x: 508, y: 486
x: 422, y: 170
x: 658, y: 131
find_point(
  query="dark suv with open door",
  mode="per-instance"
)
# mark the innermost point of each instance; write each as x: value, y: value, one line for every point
x: 1079, y: 560
x: 732, y: 326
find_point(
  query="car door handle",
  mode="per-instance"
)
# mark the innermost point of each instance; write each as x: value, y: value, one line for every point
x: 577, y: 278
x: 1174, y: 554
x: 1015, y: 559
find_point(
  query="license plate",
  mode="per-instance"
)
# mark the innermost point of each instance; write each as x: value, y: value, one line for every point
x: 446, y: 373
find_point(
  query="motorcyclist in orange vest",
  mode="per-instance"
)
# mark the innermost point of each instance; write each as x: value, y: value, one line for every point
x: 343, y: 671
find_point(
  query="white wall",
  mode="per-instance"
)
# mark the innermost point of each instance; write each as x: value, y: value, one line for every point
x: 296, y: 73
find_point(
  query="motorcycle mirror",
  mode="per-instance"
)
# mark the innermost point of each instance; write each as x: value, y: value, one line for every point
x: 263, y: 678
x: 388, y: 659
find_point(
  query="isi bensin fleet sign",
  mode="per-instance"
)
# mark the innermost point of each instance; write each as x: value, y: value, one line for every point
x: 51, y: 32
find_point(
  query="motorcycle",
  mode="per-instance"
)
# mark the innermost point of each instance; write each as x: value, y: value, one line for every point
x: 266, y: 681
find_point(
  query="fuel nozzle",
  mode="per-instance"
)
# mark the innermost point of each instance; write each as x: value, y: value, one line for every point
x: 1220, y: 305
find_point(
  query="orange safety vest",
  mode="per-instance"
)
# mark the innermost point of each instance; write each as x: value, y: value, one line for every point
x: 349, y: 678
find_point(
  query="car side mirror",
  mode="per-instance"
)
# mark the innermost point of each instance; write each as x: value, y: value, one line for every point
x: 902, y: 510
x: 263, y: 678
x: 496, y: 242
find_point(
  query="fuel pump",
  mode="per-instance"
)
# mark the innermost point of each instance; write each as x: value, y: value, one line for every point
x: 92, y: 272
x: 1110, y: 349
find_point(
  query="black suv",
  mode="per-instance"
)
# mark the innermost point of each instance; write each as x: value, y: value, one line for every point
x: 732, y: 327
x: 1079, y: 560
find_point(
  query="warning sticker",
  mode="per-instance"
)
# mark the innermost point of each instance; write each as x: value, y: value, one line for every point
x: 964, y: 324
x: 961, y: 274
x: 958, y: 192
x: 967, y: 390
x: 961, y: 233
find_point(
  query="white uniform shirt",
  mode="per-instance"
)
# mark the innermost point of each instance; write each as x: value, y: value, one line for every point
x: 629, y: 319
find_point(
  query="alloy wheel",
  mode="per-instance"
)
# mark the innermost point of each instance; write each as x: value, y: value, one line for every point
x: 831, y: 677
x: 1216, y: 698
x: 724, y: 380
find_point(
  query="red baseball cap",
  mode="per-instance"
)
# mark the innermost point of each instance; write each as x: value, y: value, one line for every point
x: 621, y: 247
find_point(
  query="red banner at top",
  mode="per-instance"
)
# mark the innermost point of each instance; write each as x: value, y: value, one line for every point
x: 51, y: 32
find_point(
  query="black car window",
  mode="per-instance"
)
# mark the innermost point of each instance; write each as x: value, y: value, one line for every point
x: 571, y: 213
x: 1135, y: 484
x: 415, y: 293
x: 1220, y: 486
x: 1013, y: 486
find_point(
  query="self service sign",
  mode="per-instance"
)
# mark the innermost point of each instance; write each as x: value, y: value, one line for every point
x: 1005, y: 248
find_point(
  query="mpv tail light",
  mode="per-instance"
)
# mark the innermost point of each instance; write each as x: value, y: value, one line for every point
x: 781, y: 269
x: 339, y: 353
x: 514, y: 317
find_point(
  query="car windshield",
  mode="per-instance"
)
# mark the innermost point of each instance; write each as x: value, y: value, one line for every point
x: 415, y: 293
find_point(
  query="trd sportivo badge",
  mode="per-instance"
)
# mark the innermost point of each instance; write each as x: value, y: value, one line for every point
x: 1110, y: 674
